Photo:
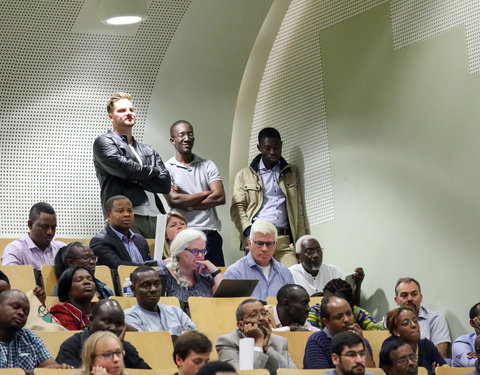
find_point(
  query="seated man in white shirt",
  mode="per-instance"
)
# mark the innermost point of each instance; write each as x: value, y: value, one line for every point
x: 313, y: 275
x: 149, y: 314
x: 463, y: 348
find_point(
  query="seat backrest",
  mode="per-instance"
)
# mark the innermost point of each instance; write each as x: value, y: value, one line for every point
x: 165, y: 371
x: 156, y: 348
x: 123, y: 272
x: 452, y: 370
x: 104, y: 274
x: 21, y: 277
x: 51, y: 301
x: 214, y: 314
x: 257, y: 371
x: 70, y: 240
x: 376, y: 339
x: 53, y: 340
x: 213, y: 336
x: 297, y: 341
x: 11, y: 371
x: 289, y: 371
x: 4, y: 242
x: 49, y: 277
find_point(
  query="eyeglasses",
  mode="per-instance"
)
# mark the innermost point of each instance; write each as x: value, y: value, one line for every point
x: 407, y: 322
x: 197, y: 252
x: 268, y: 244
x: 353, y: 354
x: 253, y: 316
x: 184, y: 135
x: 87, y: 258
x: 109, y: 355
x: 404, y: 360
x: 311, y: 252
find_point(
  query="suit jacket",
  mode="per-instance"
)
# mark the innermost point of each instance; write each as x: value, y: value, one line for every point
x: 277, y: 355
x: 111, y: 251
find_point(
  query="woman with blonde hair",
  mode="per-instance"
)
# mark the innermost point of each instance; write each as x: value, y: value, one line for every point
x: 176, y: 222
x: 102, y: 354
x: 189, y: 274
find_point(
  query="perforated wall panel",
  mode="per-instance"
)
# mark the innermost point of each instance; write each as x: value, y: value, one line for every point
x: 54, y: 87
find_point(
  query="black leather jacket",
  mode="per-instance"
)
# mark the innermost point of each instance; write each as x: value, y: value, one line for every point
x: 120, y: 173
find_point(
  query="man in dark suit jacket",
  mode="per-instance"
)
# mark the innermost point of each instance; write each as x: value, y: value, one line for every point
x: 116, y: 244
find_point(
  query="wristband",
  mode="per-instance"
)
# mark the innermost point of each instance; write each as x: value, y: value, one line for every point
x: 213, y: 274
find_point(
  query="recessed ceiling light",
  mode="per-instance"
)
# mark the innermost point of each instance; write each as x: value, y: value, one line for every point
x: 122, y: 12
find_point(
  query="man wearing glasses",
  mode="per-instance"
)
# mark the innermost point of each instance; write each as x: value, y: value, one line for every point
x: 196, y: 190
x: 398, y: 358
x: 270, y: 189
x: 259, y: 263
x: 348, y: 355
x: 270, y: 351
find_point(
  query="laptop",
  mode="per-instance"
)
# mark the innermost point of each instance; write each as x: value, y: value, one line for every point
x: 235, y: 288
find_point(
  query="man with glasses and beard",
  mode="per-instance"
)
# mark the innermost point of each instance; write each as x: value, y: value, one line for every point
x: 398, y: 358
x: 270, y: 351
x: 348, y: 354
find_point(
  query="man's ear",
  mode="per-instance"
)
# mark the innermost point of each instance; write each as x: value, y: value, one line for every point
x: 396, y: 300
x: 30, y: 224
x: 110, y: 116
x: 335, y: 359
x: 298, y: 256
x: 132, y: 287
x: 324, y: 321
x: 240, y: 325
x: 178, y: 361
x: 387, y: 369
x: 259, y: 148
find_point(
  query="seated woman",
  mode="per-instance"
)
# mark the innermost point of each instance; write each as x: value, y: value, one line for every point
x: 79, y: 253
x: 189, y: 274
x: 76, y: 289
x: 102, y: 354
x: 402, y: 322
x: 341, y: 288
x: 176, y: 222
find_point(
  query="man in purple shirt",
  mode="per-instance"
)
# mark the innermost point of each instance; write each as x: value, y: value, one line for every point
x: 37, y: 247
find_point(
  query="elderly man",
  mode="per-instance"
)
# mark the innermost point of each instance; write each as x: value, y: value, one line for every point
x: 107, y: 315
x: 20, y: 347
x: 130, y: 168
x: 292, y: 309
x: 337, y: 316
x: 348, y: 355
x: 190, y: 352
x: 270, y: 189
x: 270, y: 351
x: 259, y: 263
x: 313, y: 274
x: 116, y: 244
x: 149, y: 314
x: 433, y: 325
x: 37, y: 247
x: 197, y: 189
x: 398, y: 358
x: 463, y: 348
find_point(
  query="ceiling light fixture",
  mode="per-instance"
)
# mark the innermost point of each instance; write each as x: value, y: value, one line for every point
x: 122, y: 12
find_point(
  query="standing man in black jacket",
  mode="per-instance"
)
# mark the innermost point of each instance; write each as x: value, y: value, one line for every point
x: 130, y: 168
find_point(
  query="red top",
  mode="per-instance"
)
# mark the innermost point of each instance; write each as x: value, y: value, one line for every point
x: 70, y: 317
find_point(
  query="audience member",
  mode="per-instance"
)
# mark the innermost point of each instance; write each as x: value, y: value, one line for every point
x: 116, y: 244
x: 270, y: 189
x: 402, y: 322
x: 463, y: 348
x: 102, y: 354
x: 189, y: 273
x: 130, y: 168
x: 398, y: 358
x: 337, y: 316
x: 20, y: 347
x: 149, y: 314
x: 270, y: 351
x: 217, y: 368
x: 37, y: 247
x: 476, y: 371
x: 313, y: 274
x: 176, y: 222
x: 342, y: 289
x: 76, y: 289
x: 79, y: 253
x: 197, y: 189
x: 291, y: 311
x: 259, y: 263
x: 433, y: 325
x: 190, y: 352
x: 107, y: 315
x: 348, y: 355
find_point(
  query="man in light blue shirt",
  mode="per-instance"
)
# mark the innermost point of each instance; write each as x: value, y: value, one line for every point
x: 259, y: 263
x: 149, y: 314
x: 463, y: 348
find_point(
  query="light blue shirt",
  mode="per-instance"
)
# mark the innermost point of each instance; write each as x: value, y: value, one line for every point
x: 168, y: 318
x: 246, y: 268
x: 273, y: 207
x: 130, y: 245
x: 460, y: 348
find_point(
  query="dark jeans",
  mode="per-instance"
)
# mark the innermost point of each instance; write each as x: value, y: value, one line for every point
x: 214, y: 248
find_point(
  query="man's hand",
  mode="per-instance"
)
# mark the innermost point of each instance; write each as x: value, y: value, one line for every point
x: 175, y: 188
x: 358, y: 276
x: 268, y: 333
x: 471, y: 355
x: 355, y: 328
x: 254, y: 331
x: 476, y: 324
x: 40, y: 294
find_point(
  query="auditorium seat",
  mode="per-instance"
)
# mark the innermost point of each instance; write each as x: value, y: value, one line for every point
x: 376, y: 339
x: 445, y: 370
x: 53, y: 340
x: 124, y: 272
x: 297, y: 340
x: 21, y: 277
x: 156, y: 348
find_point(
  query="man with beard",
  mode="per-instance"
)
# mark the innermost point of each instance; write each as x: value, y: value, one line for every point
x: 398, y: 358
x: 270, y: 351
x: 291, y: 311
x: 313, y: 274
x: 348, y: 355
x: 433, y: 325
x: 337, y: 316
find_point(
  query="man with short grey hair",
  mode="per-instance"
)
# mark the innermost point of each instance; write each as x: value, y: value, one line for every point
x: 259, y: 263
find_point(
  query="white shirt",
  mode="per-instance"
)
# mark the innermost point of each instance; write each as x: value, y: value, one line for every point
x: 315, y: 284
